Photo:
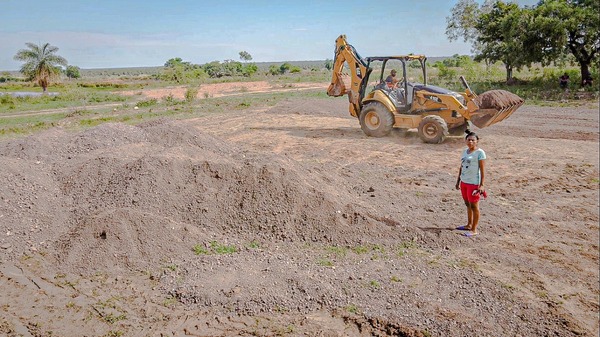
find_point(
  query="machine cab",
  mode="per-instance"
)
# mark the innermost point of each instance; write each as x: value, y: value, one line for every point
x: 396, y: 77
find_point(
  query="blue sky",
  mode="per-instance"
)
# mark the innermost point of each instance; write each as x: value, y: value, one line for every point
x: 135, y: 33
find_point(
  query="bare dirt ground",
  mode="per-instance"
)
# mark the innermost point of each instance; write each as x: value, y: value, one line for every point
x: 290, y: 222
x: 225, y: 89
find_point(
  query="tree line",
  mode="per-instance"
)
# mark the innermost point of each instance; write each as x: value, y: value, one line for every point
x: 549, y: 32
x: 42, y: 65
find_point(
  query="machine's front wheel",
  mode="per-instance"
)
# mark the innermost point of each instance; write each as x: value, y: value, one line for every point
x: 376, y: 120
x: 433, y: 129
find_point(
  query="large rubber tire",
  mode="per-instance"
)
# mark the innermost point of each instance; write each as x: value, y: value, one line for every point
x: 376, y: 120
x: 433, y: 129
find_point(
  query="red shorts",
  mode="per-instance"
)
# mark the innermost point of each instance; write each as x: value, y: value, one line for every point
x: 467, y: 192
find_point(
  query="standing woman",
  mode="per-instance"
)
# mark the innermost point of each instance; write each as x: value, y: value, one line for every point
x: 471, y: 177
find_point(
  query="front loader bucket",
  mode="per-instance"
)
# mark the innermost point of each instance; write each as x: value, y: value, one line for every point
x: 494, y: 106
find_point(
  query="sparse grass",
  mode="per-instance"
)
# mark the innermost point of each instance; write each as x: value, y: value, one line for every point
x: 169, y: 302
x: 374, y: 284
x: 219, y: 248
x: 434, y: 261
x: 508, y: 286
x: 215, y: 248
x: 404, y: 247
x: 360, y: 249
x: 337, y: 251
x: 200, y: 250
x: 280, y: 309
x: 395, y: 279
x: 324, y: 262
x: 352, y: 308
x: 254, y: 245
x: 109, y: 305
x: 363, y: 249
x: 147, y: 103
x: 112, y: 318
x: 97, y: 121
x: 24, y: 125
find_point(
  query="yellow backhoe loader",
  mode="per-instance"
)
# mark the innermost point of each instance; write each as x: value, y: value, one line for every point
x: 435, y: 112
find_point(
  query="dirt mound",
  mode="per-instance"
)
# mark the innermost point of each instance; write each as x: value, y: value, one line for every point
x: 498, y: 99
x: 121, y: 196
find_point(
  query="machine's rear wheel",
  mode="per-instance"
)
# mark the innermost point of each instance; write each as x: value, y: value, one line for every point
x: 433, y: 129
x: 376, y: 120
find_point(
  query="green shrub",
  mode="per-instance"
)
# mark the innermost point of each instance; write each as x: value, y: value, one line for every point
x: 190, y: 94
x: 222, y: 249
x: 147, y: 102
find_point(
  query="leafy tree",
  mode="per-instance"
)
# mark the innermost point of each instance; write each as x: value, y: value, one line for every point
x: 328, y: 64
x: 214, y: 69
x: 571, y: 26
x: 496, y: 30
x: 232, y: 68
x: 5, y: 77
x: 274, y: 70
x: 249, y: 69
x: 245, y: 56
x: 179, y: 71
x: 500, y: 36
x: 544, y: 33
x: 462, y: 20
x: 457, y: 61
x: 174, y: 62
x: 178, y: 62
x: 73, y: 72
x: 41, y: 63
x: 284, y: 67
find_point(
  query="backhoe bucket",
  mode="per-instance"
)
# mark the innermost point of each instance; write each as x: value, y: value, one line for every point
x: 494, y: 106
x: 340, y: 87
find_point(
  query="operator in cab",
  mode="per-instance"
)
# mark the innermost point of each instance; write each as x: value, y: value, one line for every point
x: 391, y: 80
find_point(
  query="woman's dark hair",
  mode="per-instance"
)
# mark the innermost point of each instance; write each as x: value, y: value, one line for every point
x: 471, y: 133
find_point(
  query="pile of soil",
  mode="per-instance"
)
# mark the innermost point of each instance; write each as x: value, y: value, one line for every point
x: 293, y: 222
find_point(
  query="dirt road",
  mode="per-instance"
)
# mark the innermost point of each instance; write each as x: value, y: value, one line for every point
x: 290, y: 221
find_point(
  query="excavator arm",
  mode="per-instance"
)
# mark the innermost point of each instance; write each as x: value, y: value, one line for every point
x: 340, y: 83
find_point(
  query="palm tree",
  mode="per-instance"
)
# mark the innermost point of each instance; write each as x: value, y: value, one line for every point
x: 41, y: 63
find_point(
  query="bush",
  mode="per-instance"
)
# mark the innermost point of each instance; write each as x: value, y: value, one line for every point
x: 73, y: 72
x: 147, y: 103
x: 446, y: 72
x: 190, y: 94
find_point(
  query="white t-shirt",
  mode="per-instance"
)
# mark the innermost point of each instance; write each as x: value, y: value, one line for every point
x: 470, y: 173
